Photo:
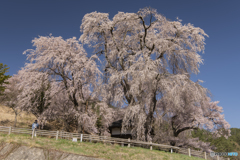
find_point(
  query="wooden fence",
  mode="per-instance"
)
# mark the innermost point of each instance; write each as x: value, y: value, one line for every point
x: 111, y: 140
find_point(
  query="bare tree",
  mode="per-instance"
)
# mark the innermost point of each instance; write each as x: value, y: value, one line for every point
x: 9, y: 98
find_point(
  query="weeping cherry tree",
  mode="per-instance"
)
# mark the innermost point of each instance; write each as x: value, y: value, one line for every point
x: 149, y: 60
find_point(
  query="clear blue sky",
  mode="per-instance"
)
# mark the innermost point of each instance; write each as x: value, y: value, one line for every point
x: 23, y: 20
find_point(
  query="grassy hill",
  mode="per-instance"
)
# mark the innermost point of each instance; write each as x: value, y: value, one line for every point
x: 7, y: 118
x: 232, y: 144
x: 105, y: 151
x: 100, y: 150
x: 25, y: 120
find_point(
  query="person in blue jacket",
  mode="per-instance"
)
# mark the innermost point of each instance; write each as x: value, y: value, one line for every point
x: 35, y: 125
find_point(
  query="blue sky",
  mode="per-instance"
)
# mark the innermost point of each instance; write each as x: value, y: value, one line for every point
x: 22, y: 21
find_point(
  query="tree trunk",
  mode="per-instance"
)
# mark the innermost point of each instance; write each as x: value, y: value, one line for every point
x: 80, y: 128
x: 66, y: 126
x: 150, y: 120
x: 15, y: 121
x: 43, y: 123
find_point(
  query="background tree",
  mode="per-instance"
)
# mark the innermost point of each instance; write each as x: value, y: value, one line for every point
x: 3, y: 77
x: 9, y: 98
x: 220, y: 144
x: 36, y: 95
x: 149, y: 60
x: 235, y: 135
x: 63, y: 66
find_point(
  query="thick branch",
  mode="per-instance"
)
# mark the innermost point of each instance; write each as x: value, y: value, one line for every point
x: 105, y: 51
x: 183, y: 129
x: 126, y: 88
x: 145, y: 35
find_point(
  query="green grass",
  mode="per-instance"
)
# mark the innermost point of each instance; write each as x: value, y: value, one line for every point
x: 105, y: 151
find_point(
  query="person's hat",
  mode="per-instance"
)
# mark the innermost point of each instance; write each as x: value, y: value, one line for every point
x: 35, y: 120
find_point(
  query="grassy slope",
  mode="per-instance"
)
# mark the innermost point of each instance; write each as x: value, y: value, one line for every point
x: 7, y: 117
x: 85, y: 148
x: 100, y: 150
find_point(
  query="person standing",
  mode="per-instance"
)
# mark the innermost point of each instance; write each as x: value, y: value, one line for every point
x: 35, y: 126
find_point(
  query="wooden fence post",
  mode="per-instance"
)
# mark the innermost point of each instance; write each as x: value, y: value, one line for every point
x: 81, y: 138
x: 90, y: 138
x: 122, y: 144
x: 128, y: 142
x: 104, y: 140
x: 171, y: 150
x: 150, y: 145
x: 33, y: 132
x: 189, y: 152
x: 205, y: 155
x: 57, y: 135
x: 10, y: 130
x: 217, y: 157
